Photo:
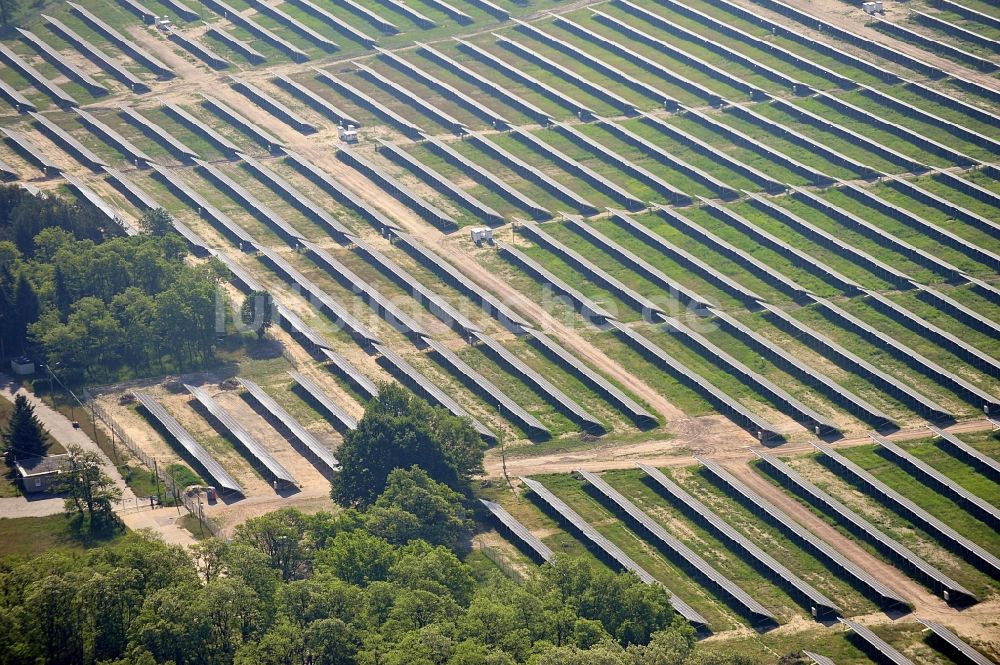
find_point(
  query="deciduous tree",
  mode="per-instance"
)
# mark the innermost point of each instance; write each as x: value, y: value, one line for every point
x: 400, y: 430
x: 89, y: 491
x: 156, y: 222
x: 439, y: 516
x: 256, y: 312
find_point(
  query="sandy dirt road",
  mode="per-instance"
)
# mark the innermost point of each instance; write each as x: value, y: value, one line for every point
x: 849, y: 16
x: 886, y: 573
x: 681, y: 451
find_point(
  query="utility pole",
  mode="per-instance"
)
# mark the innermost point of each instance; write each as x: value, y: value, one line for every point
x: 156, y: 475
x: 503, y: 450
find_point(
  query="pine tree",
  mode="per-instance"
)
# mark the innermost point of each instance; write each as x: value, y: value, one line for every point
x: 24, y: 435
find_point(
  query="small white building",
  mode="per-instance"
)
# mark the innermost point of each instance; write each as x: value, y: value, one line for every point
x: 38, y: 473
x: 481, y: 234
x: 348, y: 134
x: 22, y: 366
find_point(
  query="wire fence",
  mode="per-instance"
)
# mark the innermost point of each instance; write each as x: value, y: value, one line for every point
x: 163, y: 474
x: 494, y: 555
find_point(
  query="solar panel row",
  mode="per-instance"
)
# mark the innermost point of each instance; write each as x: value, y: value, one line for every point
x: 420, y: 292
x: 594, y: 273
x: 40, y: 83
x: 202, y: 457
x: 292, y: 195
x: 798, y: 138
x: 257, y: 208
x: 198, y: 126
x: 383, y: 306
x: 509, y: 70
x: 68, y: 142
x: 146, y: 59
x: 637, y: 264
x: 335, y: 22
x: 843, y: 566
x: 809, y: 375
x: 541, y: 385
x: 487, y: 84
x: 701, y: 147
x: 733, y: 409
x: 246, y: 50
x: 429, y: 212
x: 587, y: 307
x: 485, y: 177
x: 625, y: 165
x: 951, y: 590
x: 62, y: 63
x: 342, y: 420
x: 727, y: 249
x: 316, y: 101
x: 692, y: 562
x: 342, y: 194
x: 290, y: 424
x: 609, y: 549
x: 819, y: 605
x: 665, y: 157
x: 365, y: 101
x: 452, y: 93
x: 490, y: 304
x: 408, y: 375
x: 296, y: 25
x: 272, y: 105
x: 246, y: 22
x: 735, y: 136
x: 489, y: 391
x: 269, y: 142
x: 848, y: 359
x: 567, y: 74
x: 441, y: 183
x: 407, y: 96
x: 199, y: 50
x: 539, y: 550
x: 254, y: 448
x: 794, y: 407
x: 685, y: 258
x: 583, y: 57
x: 158, y: 133
x: 532, y: 173
x: 916, y: 467
x: 948, y: 536
x: 610, y: 392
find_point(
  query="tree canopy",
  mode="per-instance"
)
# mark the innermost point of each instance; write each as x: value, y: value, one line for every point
x: 297, y: 589
x: 8, y: 10
x: 399, y: 430
x: 413, y: 506
x: 102, y: 305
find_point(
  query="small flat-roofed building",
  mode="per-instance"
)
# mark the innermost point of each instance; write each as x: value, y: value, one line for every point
x: 22, y: 366
x: 39, y: 473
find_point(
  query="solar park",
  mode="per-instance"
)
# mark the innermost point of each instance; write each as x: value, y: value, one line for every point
x: 736, y: 329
